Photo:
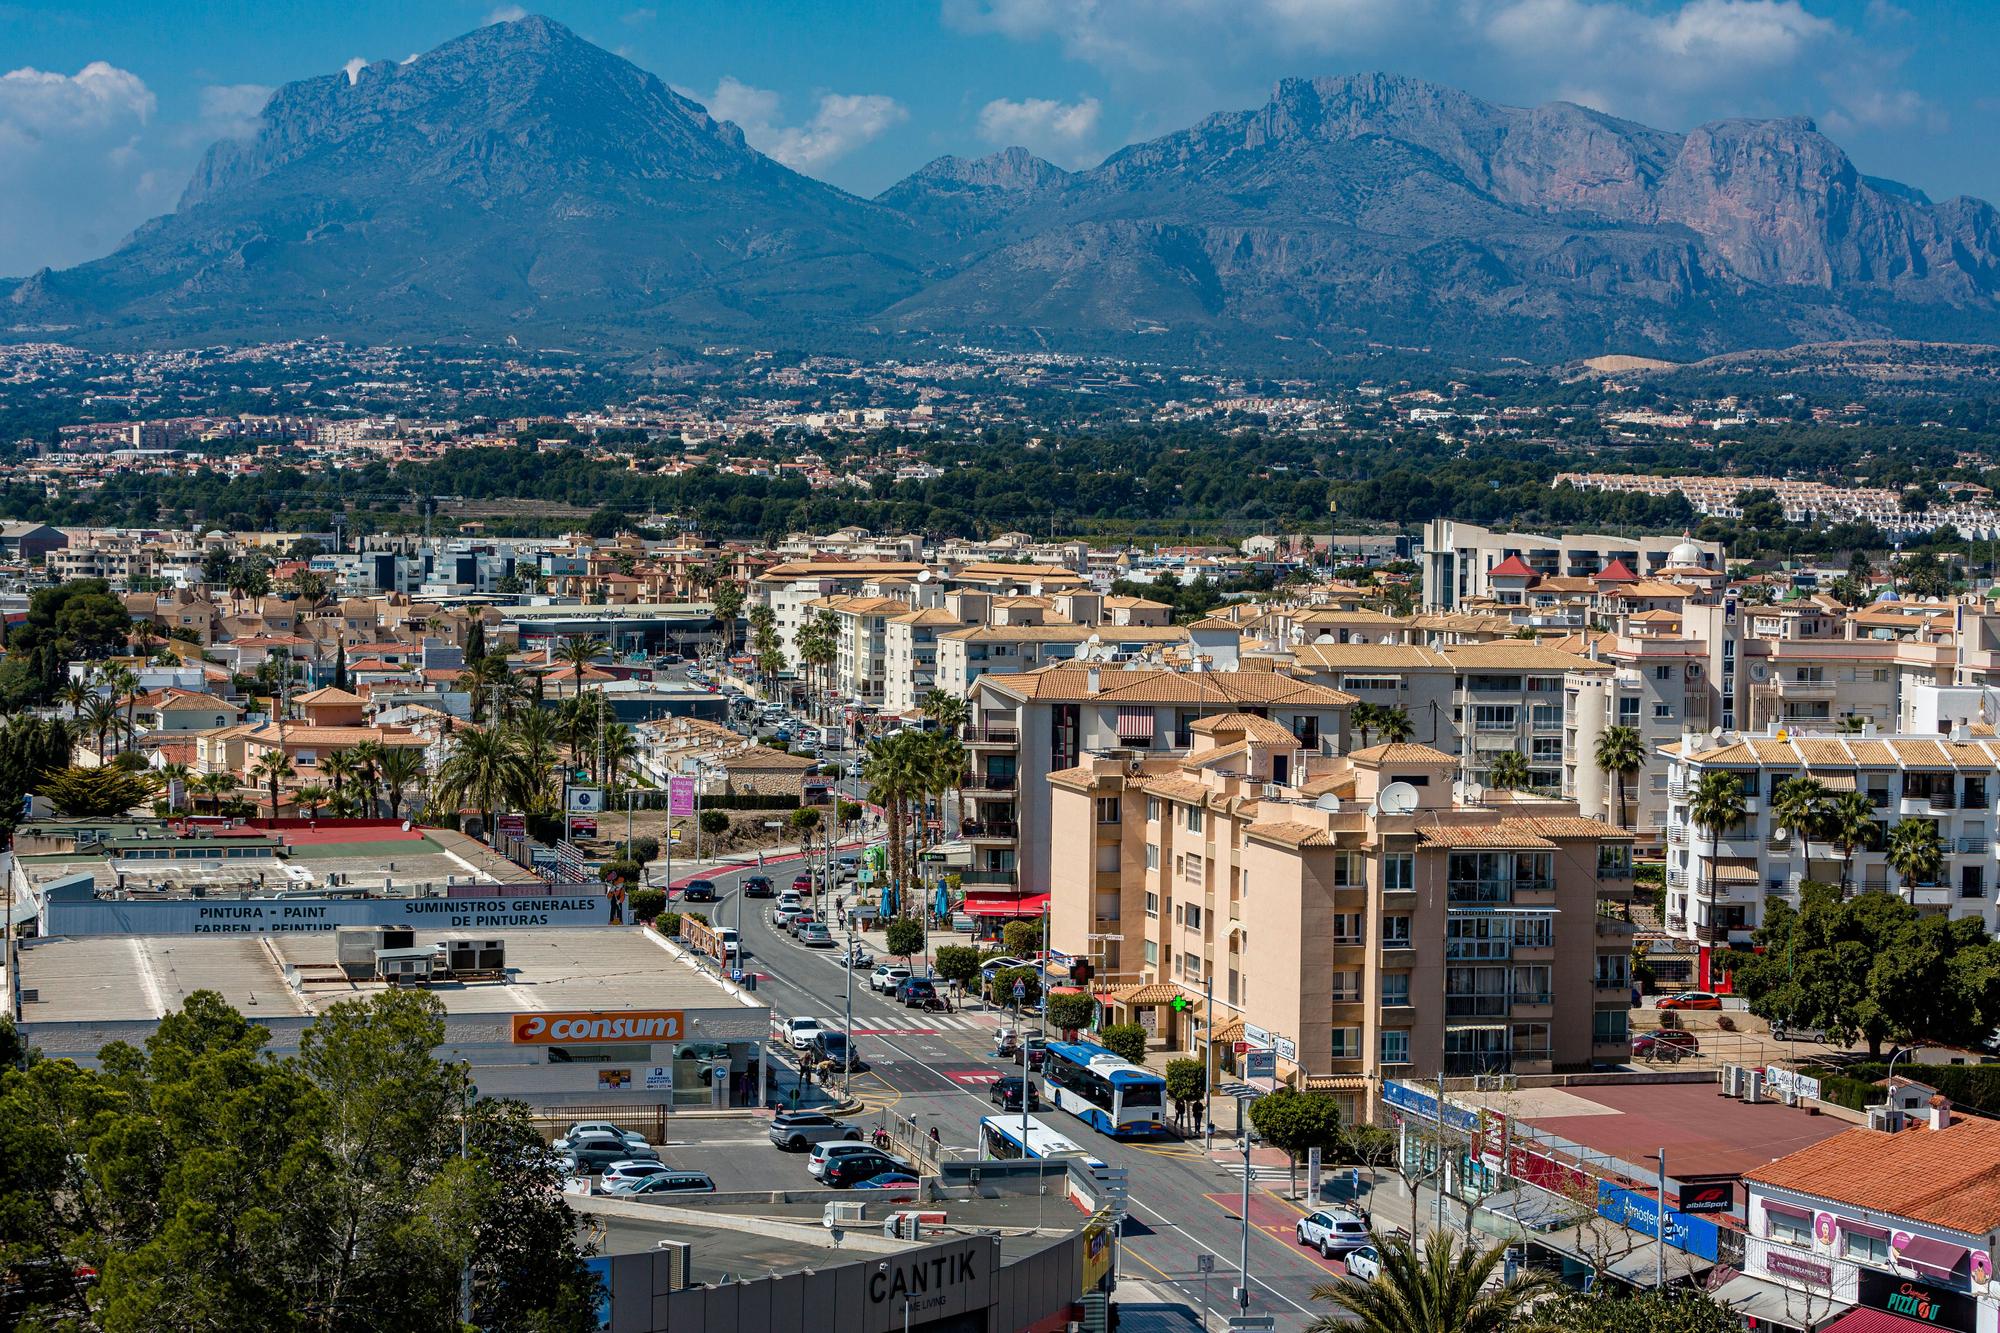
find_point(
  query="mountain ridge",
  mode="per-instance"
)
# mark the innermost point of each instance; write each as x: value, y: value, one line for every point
x: 519, y: 181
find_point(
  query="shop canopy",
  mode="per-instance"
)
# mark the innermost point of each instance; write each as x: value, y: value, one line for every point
x: 1030, y: 905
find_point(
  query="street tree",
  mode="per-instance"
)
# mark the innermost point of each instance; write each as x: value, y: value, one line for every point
x: 1440, y: 1286
x: 957, y: 962
x: 1127, y: 1041
x: 1297, y: 1122
x: 94, y: 793
x: 1070, y: 1012
x: 904, y: 938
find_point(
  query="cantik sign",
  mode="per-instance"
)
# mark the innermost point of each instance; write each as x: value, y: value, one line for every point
x: 583, y: 1029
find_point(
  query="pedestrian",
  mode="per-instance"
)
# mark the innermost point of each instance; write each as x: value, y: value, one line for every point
x: 935, y: 1140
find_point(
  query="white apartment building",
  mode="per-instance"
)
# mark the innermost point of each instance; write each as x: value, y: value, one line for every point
x: 791, y: 589
x: 1459, y: 557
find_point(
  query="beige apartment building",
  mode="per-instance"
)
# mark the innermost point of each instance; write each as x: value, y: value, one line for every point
x: 1362, y: 913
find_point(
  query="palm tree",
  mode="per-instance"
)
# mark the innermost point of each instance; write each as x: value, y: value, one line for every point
x: 367, y: 758
x: 75, y: 695
x: 945, y: 709
x: 123, y: 685
x: 617, y: 747
x: 272, y: 767
x: 1440, y: 1288
x: 1395, y: 725
x: 1716, y: 804
x: 1801, y: 805
x: 340, y: 769
x: 1850, y: 824
x: 312, y: 796
x: 538, y: 733
x: 1916, y: 851
x: 400, y: 768
x: 944, y: 759
x: 175, y: 773
x: 1365, y: 718
x: 215, y: 786
x: 577, y: 652
x: 1508, y: 771
x: 893, y: 774
x: 1621, y: 753
x: 818, y: 644
x: 100, y: 717
x: 486, y: 769
x: 728, y: 599
x: 1850, y: 724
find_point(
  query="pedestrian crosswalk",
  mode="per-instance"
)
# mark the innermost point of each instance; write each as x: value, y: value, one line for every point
x: 925, y: 1025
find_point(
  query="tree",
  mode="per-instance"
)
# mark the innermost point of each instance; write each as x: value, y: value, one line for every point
x: 101, y: 716
x: 1678, y: 1310
x: 728, y: 599
x: 577, y: 652
x: 1440, y: 1288
x: 714, y: 823
x: 1394, y: 724
x: 1070, y: 1011
x: 215, y: 786
x: 1022, y: 939
x: 30, y: 748
x: 311, y: 796
x: 894, y: 769
x: 1801, y: 805
x: 1297, y: 1122
x: 340, y: 666
x: 1850, y: 825
x: 957, y: 962
x: 1026, y: 978
x: 94, y: 793
x: 643, y: 850
x: 904, y: 938
x: 400, y: 768
x: 1125, y: 1040
x: 1186, y: 1086
x: 1508, y: 771
x: 647, y: 904
x: 803, y: 820
x: 486, y: 768
x: 475, y: 640
x: 947, y: 710
x: 1621, y: 753
x: 1365, y: 718
x: 272, y: 768
x: 1915, y: 851
x: 76, y: 621
x: 1717, y: 803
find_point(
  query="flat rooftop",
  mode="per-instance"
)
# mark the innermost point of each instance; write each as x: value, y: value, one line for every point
x: 1703, y: 1132
x: 141, y: 978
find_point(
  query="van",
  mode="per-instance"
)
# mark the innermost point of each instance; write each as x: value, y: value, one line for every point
x: 727, y: 937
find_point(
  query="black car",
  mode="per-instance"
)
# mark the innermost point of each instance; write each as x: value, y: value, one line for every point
x: 699, y: 891
x: 851, y: 1169
x: 592, y: 1155
x: 1006, y: 1094
x: 916, y: 990
x: 835, y: 1048
x: 759, y: 886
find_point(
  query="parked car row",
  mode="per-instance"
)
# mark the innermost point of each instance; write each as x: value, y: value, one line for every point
x: 598, y: 1155
x: 839, y: 1159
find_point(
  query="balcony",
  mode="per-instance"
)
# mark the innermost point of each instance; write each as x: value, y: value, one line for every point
x: 989, y: 830
x: 1928, y: 895
x: 977, y: 782
x: 994, y: 736
x: 1677, y: 835
x: 1920, y: 805
x: 1806, y: 689
x: 1972, y: 846
x: 989, y: 878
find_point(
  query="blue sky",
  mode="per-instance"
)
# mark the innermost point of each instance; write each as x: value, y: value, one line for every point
x: 105, y: 106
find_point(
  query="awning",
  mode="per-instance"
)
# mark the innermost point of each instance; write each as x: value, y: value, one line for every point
x: 1835, y: 781
x: 1873, y: 1321
x: 1758, y: 1299
x: 1135, y: 724
x: 1940, y: 1258
x: 1786, y: 1210
x: 1030, y: 905
x: 1723, y: 873
x: 1854, y: 1228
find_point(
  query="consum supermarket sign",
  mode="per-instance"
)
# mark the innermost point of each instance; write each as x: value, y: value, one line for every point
x: 580, y: 1029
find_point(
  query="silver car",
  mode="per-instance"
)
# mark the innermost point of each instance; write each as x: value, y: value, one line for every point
x: 797, y: 1131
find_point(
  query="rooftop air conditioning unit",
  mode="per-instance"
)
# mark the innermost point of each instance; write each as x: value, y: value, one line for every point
x: 1888, y: 1119
x: 1732, y: 1080
x: 843, y: 1213
x: 1753, y: 1085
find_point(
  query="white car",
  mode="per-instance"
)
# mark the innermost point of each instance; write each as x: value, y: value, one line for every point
x: 621, y: 1176
x: 823, y: 1153
x: 1364, y: 1264
x: 1332, y: 1231
x: 801, y: 1031
x: 886, y: 977
x: 595, y: 1129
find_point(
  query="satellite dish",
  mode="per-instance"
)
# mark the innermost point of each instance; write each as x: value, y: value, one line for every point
x: 1398, y: 798
x: 1329, y: 803
x: 1324, y: 638
x: 923, y: 576
x: 1715, y: 733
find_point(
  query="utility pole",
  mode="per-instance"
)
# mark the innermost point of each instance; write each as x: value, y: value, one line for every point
x: 1207, y: 1064
x: 1243, y: 1256
x: 1660, y: 1228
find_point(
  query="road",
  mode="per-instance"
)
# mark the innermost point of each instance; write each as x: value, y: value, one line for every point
x: 937, y: 1068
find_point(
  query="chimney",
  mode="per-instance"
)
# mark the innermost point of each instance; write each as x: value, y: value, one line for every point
x: 1093, y: 679
x: 1940, y: 1111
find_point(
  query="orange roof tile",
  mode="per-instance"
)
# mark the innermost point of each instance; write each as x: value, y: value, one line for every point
x: 1948, y: 1177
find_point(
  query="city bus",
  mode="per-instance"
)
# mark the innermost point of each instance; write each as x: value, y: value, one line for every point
x: 1008, y: 1138
x: 1107, y: 1092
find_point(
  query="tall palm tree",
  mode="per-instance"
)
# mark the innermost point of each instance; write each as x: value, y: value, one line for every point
x: 577, y: 652
x: 1395, y: 725
x: 893, y: 773
x: 538, y: 733
x: 1621, y: 753
x: 818, y: 643
x: 367, y: 770
x: 944, y: 761
x: 577, y: 724
x: 728, y: 599
x: 1365, y: 718
x: 1717, y: 803
x: 1801, y: 806
x: 486, y: 769
x: 312, y: 796
x: 1850, y: 824
x: 617, y: 747
x: 75, y: 695
x: 946, y: 709
x: 215, y: 786
x: 339, y: 768
x: 1439, y: 1288
x: 1916, y: 851
x: 271, y: 768
x: 400, y: 768
x: 1508, y: 771
x: 124, y: 686
x: 101, y: 716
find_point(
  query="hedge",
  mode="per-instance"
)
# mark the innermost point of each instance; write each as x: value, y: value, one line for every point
x: 1974, y: 1087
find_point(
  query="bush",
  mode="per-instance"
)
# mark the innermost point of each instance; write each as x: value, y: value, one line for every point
x: 668, y: 924
x: 849, y: 811
x: 1184, y: 1082
x: 904, y: 937
x: 1070, y: 1012
x: 748, y: 801
x: 1003, y: 985
x: 1126, y: 1040
x: 620, y: 872
x: 1023, y: 939
x: 804, y: 819
x: 647, y: 904
x: 643, y: 850
x: 1974, y: 1087
x: 714, y: 823
x: 957, y: 962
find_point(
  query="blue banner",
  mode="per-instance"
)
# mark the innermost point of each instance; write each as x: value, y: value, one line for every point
x: 1696, y: 1235
x: 1408, y: 1097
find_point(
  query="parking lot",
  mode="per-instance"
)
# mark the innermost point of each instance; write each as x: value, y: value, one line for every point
x: 736, y: 1152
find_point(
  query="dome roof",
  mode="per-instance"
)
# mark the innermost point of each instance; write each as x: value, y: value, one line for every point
x: 1686, y: 553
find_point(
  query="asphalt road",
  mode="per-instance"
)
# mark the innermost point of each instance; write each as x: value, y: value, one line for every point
x: 938, y: 1068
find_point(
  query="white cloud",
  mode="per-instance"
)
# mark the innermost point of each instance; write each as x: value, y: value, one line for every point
x: 1063, y: 132
x: 37, y: 103
x: 840, y: 123
x: 72, y: 154
x: 507, y: 14
x: 636, y: 17
x: 353, y: 70
x: 232, y: 111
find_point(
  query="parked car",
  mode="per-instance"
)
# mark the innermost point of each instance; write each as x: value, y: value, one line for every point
x: 1664, y: 1044
x: 673, y: 1182
x: 815, y: 936
x: 802, y: 883
x: 1364, y: 1264
x: 850, y: 868
x: 1332, y: 1231
x: 916, y: 990
x: 784, y: 910
x: 799, y: 1032
x: 796, y: 1131
x: 1692, y: 999
x: 835, y: 1046
x: 887, y: 977
x: 1783, y: 1031
x: 824, y: 1154
x: 1005, y: 1093
x: 598, y: 1129
x: 850, y: 1170
x: 699, y: 891
x: 759, y: 886
x: 623, y: 1175
x: 890, y: 1180
x: 593, y: 1155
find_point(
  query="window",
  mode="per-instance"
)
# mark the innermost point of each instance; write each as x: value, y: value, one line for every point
x: 1609, y: 1026
x: 1546, y: 750
x: 1395, y: 988
x: 1346, y: 1044
x: 1347, y: 928
x: 1663, y: 712
x: 1346, y: 985
x: 1531, y: 984
x: 1546, y: 717
x: 1628, y: 712
x: 1865, y: 1248
x: 1191, y: 966
x: 1152, y: 809
x: 1152, y: 856
x: 1663, y: 671
x: 1153, y: 905
x: 1395, y: 932
x: 1192, y: 916
x: 1107, y: 809
x: 1194, y: 870
x: 1349, y: 871
x: 1493, y: 717
x: 1152, y: 953
x: 1194, y: 817
x: 1395, y: 1046
x: 1787, y: 1228
x: 1399, y: 871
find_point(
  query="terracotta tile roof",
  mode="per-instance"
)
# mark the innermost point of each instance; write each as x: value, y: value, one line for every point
x: 1573, y: 826
x: 1507, y: 833
x: 1380, y: 656
x: 1081, y: 778
x: 1291, y: 834
x: 1154, y: 993
x: 1513, y: 567
x: 297, y: 735
x: 1948, y: 1177
x: 1175, y: 789
x: 1517, y: 655
x: 1404, y: 752
x: 1248, y: 725
x: 1070, y: 683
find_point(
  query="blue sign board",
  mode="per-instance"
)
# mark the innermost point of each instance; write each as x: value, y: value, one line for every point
x: 1410, y: 1098
x: 1696, y: 1235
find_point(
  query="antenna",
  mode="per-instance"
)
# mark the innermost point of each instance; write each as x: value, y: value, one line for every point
x: 1398, y: 798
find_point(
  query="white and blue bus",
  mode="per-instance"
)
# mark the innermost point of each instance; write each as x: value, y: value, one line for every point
x: 1103, y: 1089
x: 1008, y: 1138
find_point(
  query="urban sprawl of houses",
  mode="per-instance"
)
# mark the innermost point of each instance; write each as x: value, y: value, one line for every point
x: 1422, y: 826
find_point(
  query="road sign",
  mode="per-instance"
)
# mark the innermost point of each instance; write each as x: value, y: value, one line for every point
x: 585, y: 800
x: 1256, y: 1034
x: 1204, y: 1263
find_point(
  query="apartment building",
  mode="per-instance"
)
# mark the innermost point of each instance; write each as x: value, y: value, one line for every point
x: 791, y: 589
x: 1026, y: 726
x: 910, y: 653
x: 1460, y: 558
x: 1718, y: 881
x: 966, y: 654
x: 1363, y: 913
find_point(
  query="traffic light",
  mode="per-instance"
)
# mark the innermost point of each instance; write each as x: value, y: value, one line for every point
x: 1079, y: 972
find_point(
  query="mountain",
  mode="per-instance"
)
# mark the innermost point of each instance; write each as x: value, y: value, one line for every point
x: 521, y: 182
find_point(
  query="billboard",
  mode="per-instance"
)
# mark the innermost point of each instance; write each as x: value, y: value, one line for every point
x: 680, y: 796
x: 586, y: 1028
x: 1641, y: 1213
x: 297, y: 916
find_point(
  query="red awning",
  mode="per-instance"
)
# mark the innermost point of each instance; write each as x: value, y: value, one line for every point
x: 1939, y: 1257
x: 1135, y: 724
x: 1031, y: 905
x: 1873, y: 1321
